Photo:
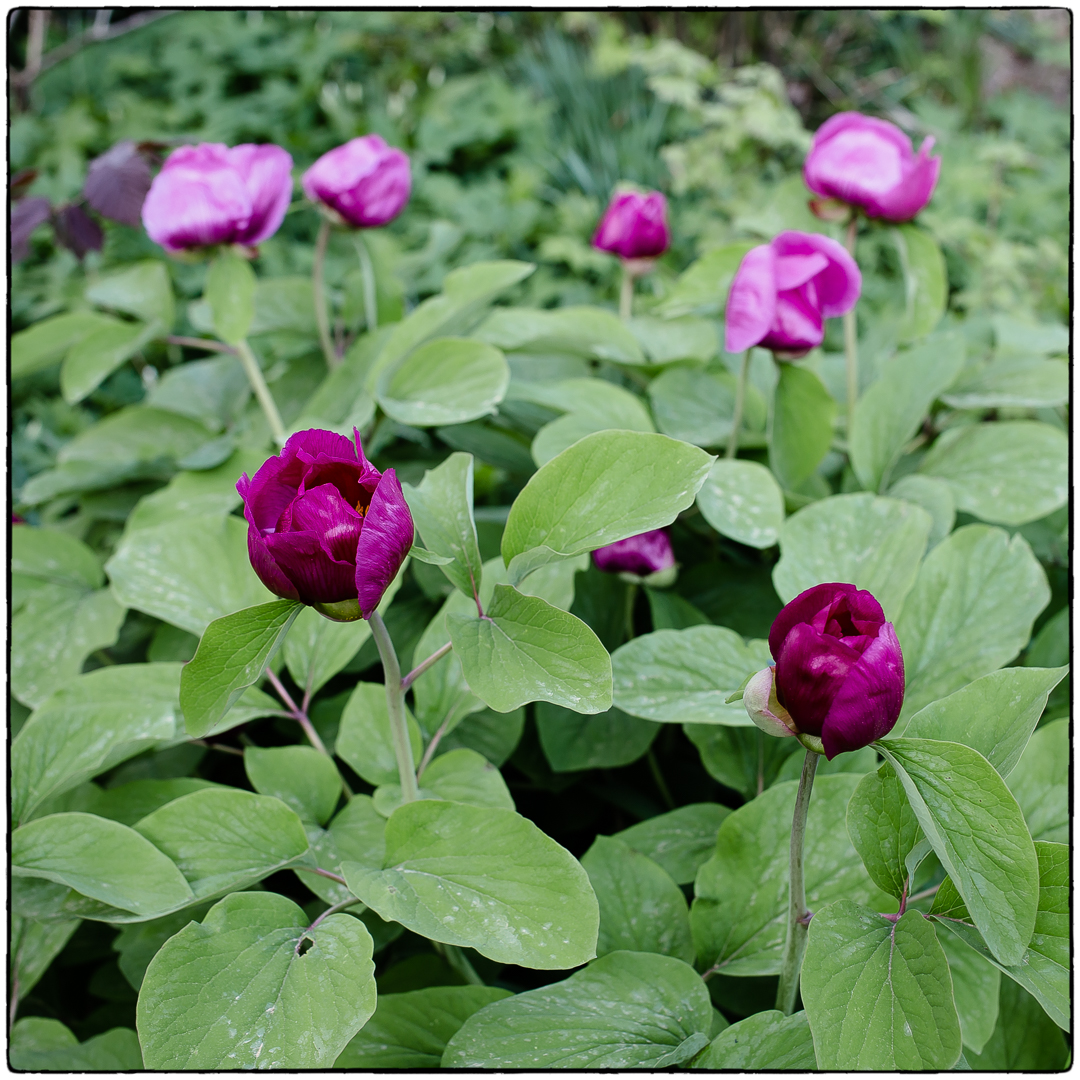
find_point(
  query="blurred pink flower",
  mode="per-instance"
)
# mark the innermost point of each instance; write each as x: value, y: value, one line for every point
x: 365, y: 181
x: 634, y: 226
x: 644, y: 554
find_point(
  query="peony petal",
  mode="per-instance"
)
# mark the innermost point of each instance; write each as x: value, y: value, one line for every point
x: 806, y: 608
x: 838, y: 283
x: 797, y: 269
x: 856, y: 158
x: 751, y: 303
x: 913, y: 193
x: 268, y: 571
x: 273, y: 487
x: 384, y: 542
x: 319, y: 578
x: 634, y: 226
x: 644, y: 554
x: 365, y: 181
x: 797, y: 324
x: 810, y: 672
x: 868, y: 703
x: 266, y: 171
x: 323, y: 511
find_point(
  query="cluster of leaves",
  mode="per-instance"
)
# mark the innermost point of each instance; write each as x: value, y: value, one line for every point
x: 169, y: 815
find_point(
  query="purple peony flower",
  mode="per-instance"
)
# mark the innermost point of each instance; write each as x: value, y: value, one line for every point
x: 839, y: 673
x: 365, y: 181
x: 214, y: 194
x: 870, y: 163
x: 634, y: 226
x: 784, y: 291
x: 324, y: 526
x: 641, y: 555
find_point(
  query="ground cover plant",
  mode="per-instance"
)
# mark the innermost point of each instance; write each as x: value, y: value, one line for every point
x: 531, y: 550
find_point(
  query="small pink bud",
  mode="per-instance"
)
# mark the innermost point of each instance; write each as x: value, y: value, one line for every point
x: 364, y: 181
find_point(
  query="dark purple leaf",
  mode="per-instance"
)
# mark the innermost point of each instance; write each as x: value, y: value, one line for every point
x: 78, y: 231
x: 117, y: 183
x: 26, y: 216
x: 21, y: 182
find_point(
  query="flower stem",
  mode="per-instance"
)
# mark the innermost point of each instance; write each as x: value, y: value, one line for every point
x: 262, y: 391
x: 626, y: 295
x: 851, y: 346
x: 740, y: 398
x: 322, y: 319
x: 367, y: 274
x: 395, y: 704
x: 333, y: 910
x: 420, y: 668
x: 457, y: 959
x: 795, y: 946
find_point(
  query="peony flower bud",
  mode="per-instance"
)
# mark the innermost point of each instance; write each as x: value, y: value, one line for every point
x: 759, y: 697
x: 213, y: 194
x: 365, y: 182
x: 869, y: 163
x: 634, y: 226
x: 784, y: 291
x: 839, y: 672
x: 646, y: 557
x: 325, y: 527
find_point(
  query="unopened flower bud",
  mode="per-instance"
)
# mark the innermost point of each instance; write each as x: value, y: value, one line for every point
x: 764, y: 709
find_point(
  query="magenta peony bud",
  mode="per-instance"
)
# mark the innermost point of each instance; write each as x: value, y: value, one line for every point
x: 324, y: 526
x: 784, y: 291
x: 365, y: 181
x: 214, y: 194
x: 642, y: 556
x: 870, y: 163
x: 634, y: 226
x: 839, y: 672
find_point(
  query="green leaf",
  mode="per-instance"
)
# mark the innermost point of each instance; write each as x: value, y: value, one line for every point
x: 142, y: 289
x: 586, y: 331
x: 47, y: 557
x: 1011, y: 382
x: 977, y: 830
x: 491, y: 734
x: 442, y: 510
x: 445, y: 381
x: 884, y: 829
x: 317, y: 648
x: 608, y: 486
x: 767, y: 1040
x: 525, y: 649
x: 95, y: 722
x: 684, y: 676
x: 101, y: 859
x: 302, y: 778
x: 878, y: 993
x: 153, y: 571
x: 1009, y: 472
x: 699, y: 406
x: 364, y: 740
x: 460, y: 775
x: 357, y: 834
x: 131, y: 802
x: 863, y: 539
x: 41, y: 1045
x: 926, y: 283
x: 802, y: 425
x: 624, y: 1011
x: 596, y: 405
x: 1045, y: 969
x: 703, y: 286
x: 667, y: 341
x: 934, y: 496
x: 213, y: 391
x: 43, y: 344
x: 1040, y: 782
x: 679, y: 841
x: 970, y: 611
x: 411, y: 1030
x: 284, y: 303
x: 976, y: 985
x: 232, y: 655
x: 740, y: 910
x: 96, y: 356
x: 230, y: 290
x: 484, y: 878
x: 250, y: 987
x: 1025, y: 336
x: 441, y: 694
x: 744, y: 759
x: 1025, y: 1039
x: 741, y: 499
x: 890, y: 412
x: 138, y: 943
x: 34, y: 946
x: 994, y: 715
x: 641, y: 908
x: 573, y: 742
x: 225, y: 839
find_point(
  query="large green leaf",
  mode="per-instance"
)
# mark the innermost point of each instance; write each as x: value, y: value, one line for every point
x: 460, y: 775
x: 1040, y: 782
x: 1009, y: 472
x: 41, y: 1045
x: 878, y: 992
x: 891, y: 410
x: 606, y: 741
x: 667, y: 341
x: 93, y: 723
x: 232, y: 655
x: 93, y: 358
x: 976, y: 985
x: 302, y: 778
x: 699, y: 406
x: 230, y: 290
x: 641, y: 908
x: 587, y: 331
x: 739, y: 914
x: 411, y: 1030
x: 1025, y: 382
x: 484, y: 878
x: 43, y: 344
x: 863, y: 539
x: 970, y: 611
x: 223, y: 838
x: 596, y: 405
x: 357, y: 834
x: 364, y: 739
x: 801, y: 431
x: 213, y: 391
x: 1025, y: 1039
x: 608, y: 486
x: 34, y: 946
x: 100, y: 859
x: 47, y: 557
x: 679, y: 841
x: 316, y: 648
x: 766, y: 1041
x: 525, y: 649
x: 741, y: 499
x: 884, y: 829
x: 934, y: 496
x: 252, y: 987
x: 745, y: 759
x: 703, y: 286
x: 685, y: 676
x: 977, y: 830
x: 926, y: 282
x: 625, y: 1011
x: 142, y: 289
